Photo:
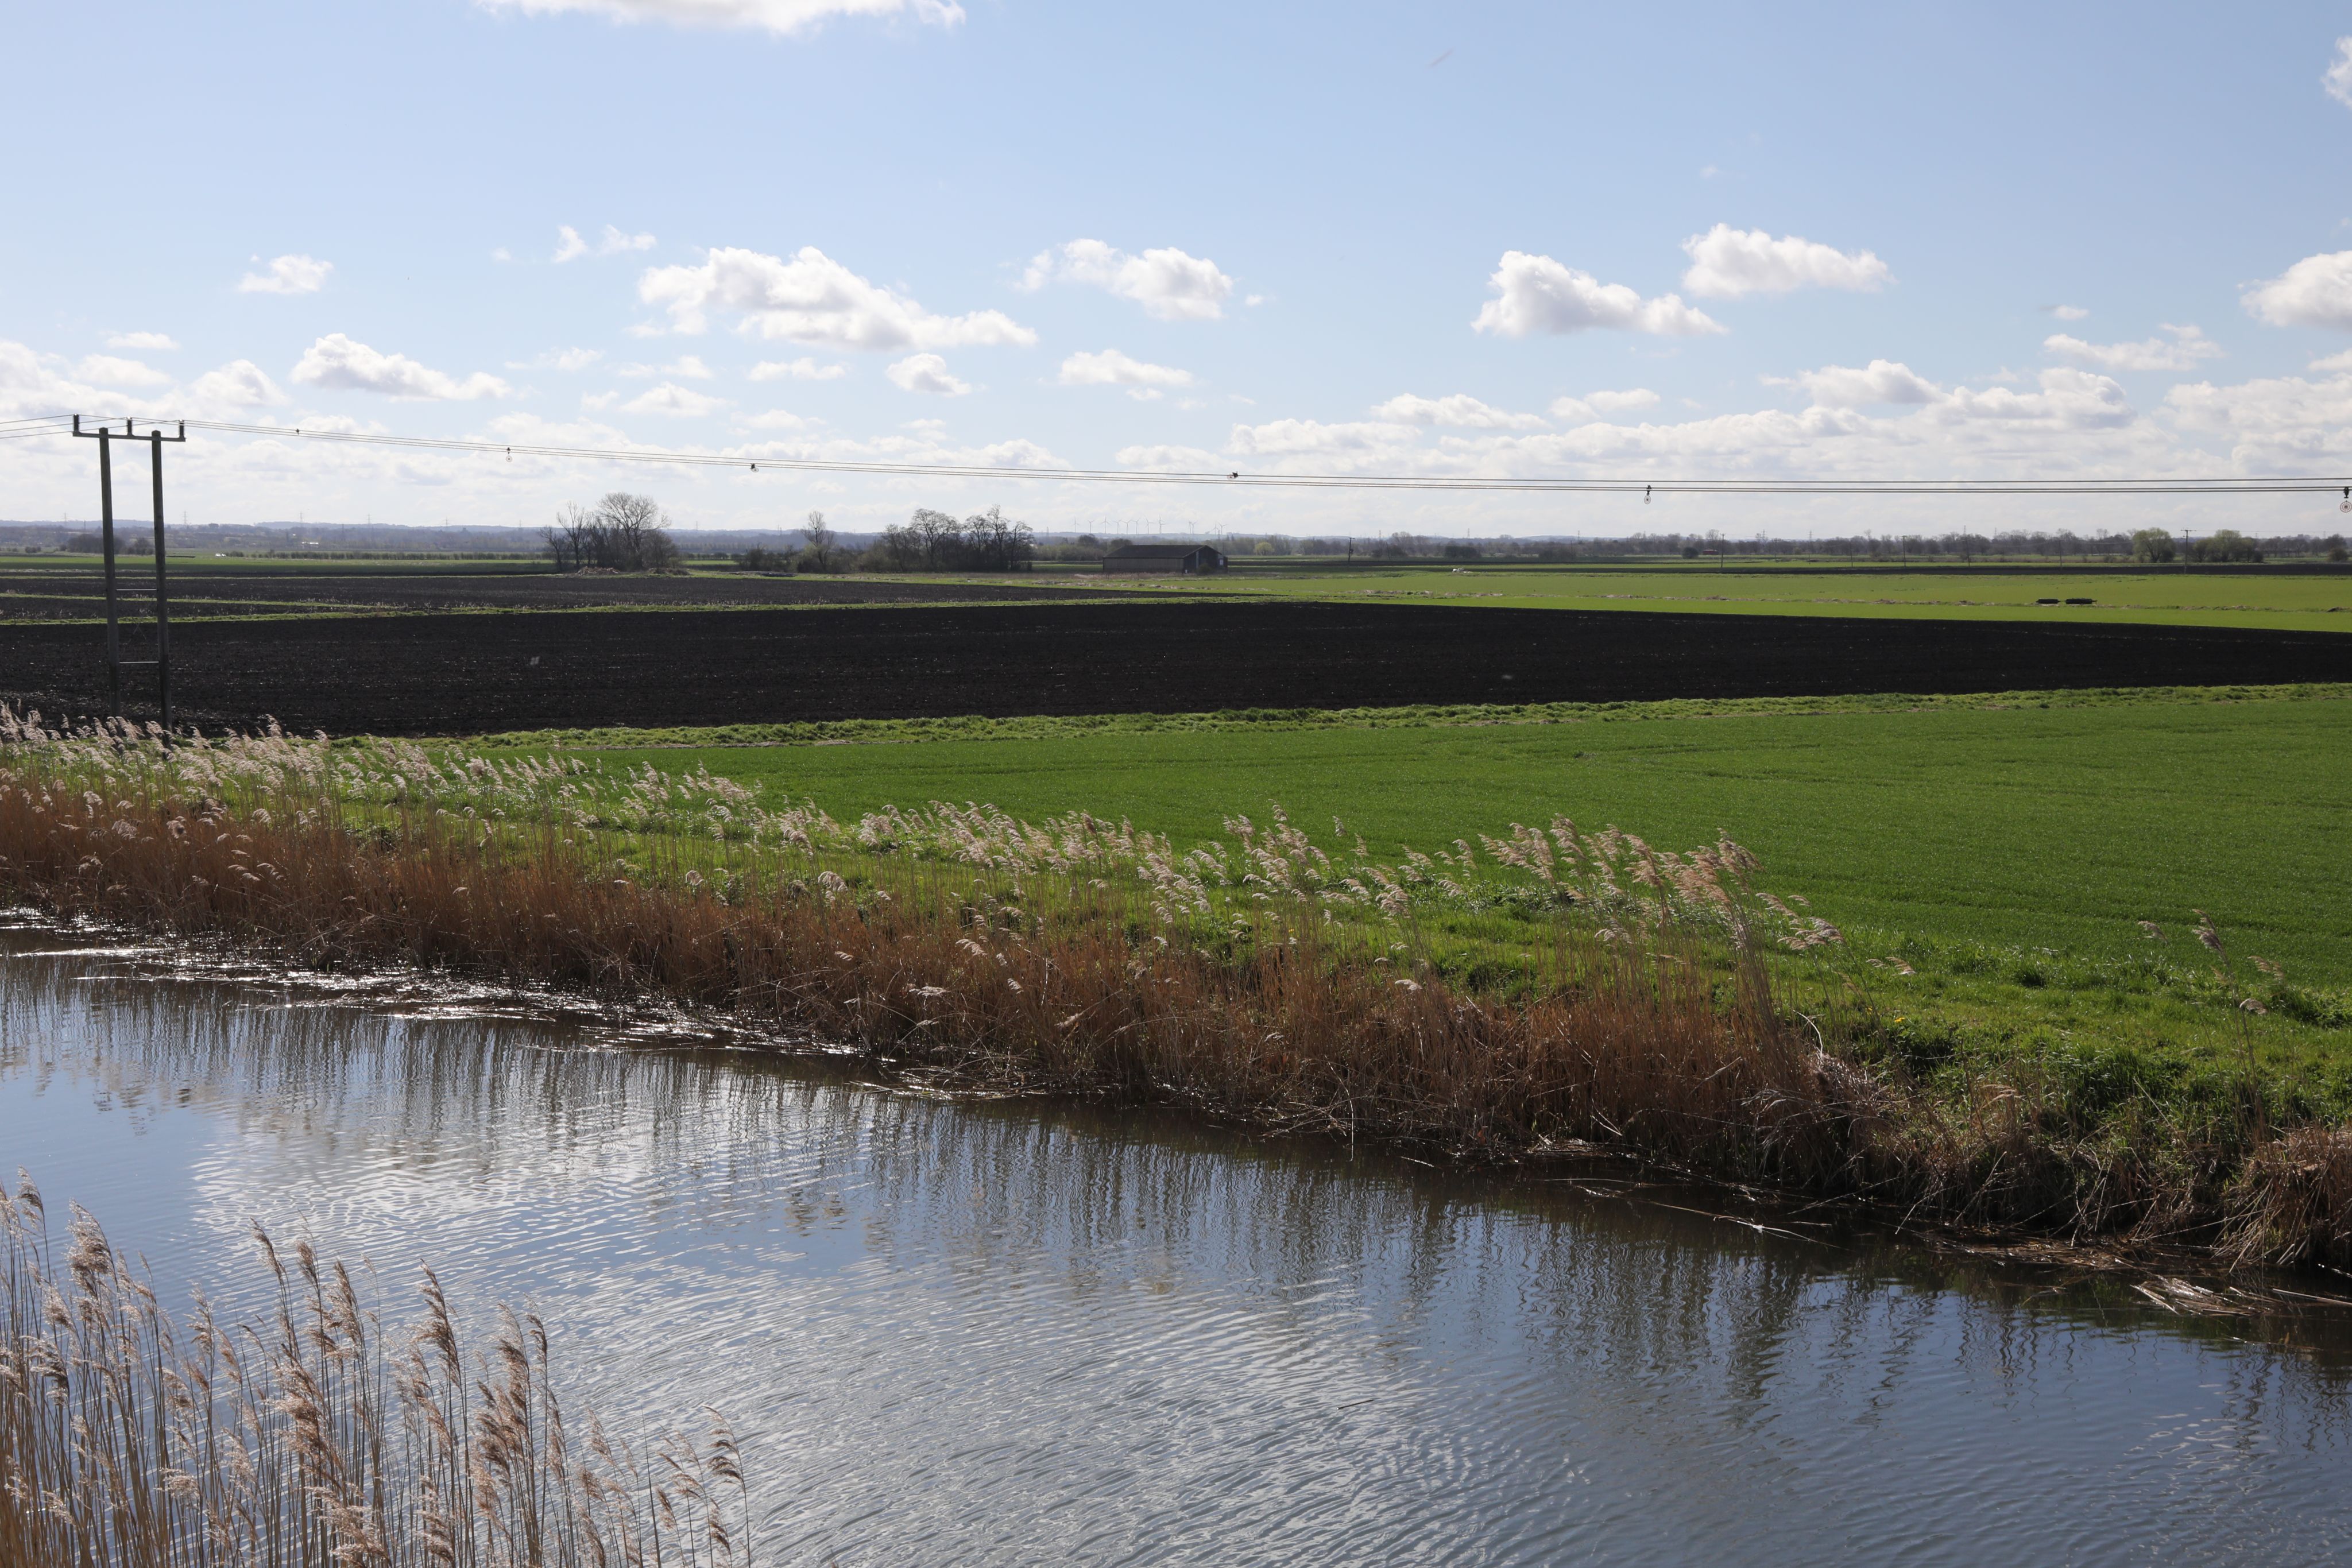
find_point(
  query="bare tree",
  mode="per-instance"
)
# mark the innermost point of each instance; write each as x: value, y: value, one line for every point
x: 572, y: 541
x: 936, y: 536
x: 624, y: 533
x: 820, y: 543
x: 995, y: 542
x: 638, y: 531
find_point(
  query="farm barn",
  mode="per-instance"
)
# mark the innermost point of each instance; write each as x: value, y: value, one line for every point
x: 1189, y: 560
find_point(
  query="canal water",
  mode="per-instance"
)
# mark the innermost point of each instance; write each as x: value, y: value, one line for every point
x: 972, y: 1332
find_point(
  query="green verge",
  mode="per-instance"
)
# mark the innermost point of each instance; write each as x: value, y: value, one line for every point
x: 2317, y: 600
x: 2002, y: 849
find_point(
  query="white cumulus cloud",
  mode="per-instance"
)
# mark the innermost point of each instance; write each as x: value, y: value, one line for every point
x: 812, y: 298
x: 766, y: 15
x: 2315, y: 292
x: 669, y: 398
x: 1600, y: 404
x: 1458, y: 411
x: 335, y: 361
x: 2181, y: 352
x: 1308, y: 443
x: 1879, y: 381
x: 1536, y: 294
x: 926, y: 373
x: 570, y: 247
x: 570, y: 359
x: 111, y: 371
x: 800, y: 369
x: 288, y: 275
x: 240, y: 383
x: 2338, y: 80
x: 1167, y: 459
x: 689, y: 366
x: 156, y: 342
x: 1112, y: 369
x: 2281, y: 424
x: 2066, y: 312
x: 1728, y: 264
x: 1167, y: 283
x: 2069, y: 399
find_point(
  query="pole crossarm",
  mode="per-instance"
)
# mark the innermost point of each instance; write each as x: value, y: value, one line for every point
x: 101, y: 432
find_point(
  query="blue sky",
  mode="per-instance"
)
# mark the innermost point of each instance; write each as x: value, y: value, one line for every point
x: 1867, y: 241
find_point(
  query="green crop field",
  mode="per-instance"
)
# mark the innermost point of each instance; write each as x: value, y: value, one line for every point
x: 2204, y: 596
x: 2057, y: 825
x: 1989, y: 858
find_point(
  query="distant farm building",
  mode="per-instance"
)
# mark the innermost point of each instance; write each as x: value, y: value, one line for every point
x: 1190, y: 559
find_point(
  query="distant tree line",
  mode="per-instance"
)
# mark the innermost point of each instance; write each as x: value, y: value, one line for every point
x: 620, y: 533
x: 934, y: 541
x: 819, y: 551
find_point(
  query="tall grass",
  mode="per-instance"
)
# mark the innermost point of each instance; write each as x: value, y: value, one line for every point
x: 312, y: 1436
x: 1651, y: 1002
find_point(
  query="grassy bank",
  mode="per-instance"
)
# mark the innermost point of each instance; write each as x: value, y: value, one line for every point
x: 1548, y: 986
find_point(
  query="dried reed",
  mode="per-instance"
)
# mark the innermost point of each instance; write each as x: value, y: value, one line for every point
x: 309, y: 1436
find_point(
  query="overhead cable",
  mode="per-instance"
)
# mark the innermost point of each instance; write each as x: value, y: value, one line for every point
x: 2139, y: 486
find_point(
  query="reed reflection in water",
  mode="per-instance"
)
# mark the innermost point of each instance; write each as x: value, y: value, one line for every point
x: 958, y: 1332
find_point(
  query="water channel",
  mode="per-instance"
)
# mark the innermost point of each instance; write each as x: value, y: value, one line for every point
x: 972, y: 1332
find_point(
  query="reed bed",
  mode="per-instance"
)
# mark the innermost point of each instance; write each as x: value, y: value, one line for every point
x: 312, y: 1436
x: 1658, y: 1004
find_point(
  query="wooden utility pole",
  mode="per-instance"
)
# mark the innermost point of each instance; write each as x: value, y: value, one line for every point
x: 155, y: 438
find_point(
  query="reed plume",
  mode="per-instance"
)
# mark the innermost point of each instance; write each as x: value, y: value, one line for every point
x: 309, y: 1436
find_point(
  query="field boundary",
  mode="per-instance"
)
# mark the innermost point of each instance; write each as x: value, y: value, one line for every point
x: 915, y: 731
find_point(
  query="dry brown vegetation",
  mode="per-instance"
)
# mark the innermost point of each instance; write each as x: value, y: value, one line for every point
x: 311, y: 1434
x: 1266, y: 979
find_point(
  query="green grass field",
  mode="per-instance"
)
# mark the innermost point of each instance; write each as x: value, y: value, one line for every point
x: 2205, y: 596
x: 2057, y: 826
x: 1989, y: 858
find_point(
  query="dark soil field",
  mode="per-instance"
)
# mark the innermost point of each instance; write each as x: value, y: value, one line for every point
x: 213, y: 592
x: 464, y: 673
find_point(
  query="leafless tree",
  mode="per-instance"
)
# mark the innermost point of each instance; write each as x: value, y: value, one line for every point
x: 995, y: 542
x: 572, y: 541
x: 820, y: 543
x: 624, y: 533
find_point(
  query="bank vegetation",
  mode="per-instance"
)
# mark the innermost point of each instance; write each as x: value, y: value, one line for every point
x: 1559, y: 988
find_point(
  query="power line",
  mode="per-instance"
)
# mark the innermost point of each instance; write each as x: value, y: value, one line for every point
x: 2140, y: 485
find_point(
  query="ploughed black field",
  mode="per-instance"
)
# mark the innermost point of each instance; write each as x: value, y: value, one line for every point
x: 428, y: 674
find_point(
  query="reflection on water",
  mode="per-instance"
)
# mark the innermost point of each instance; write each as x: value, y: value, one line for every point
x: 961, y: 1333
